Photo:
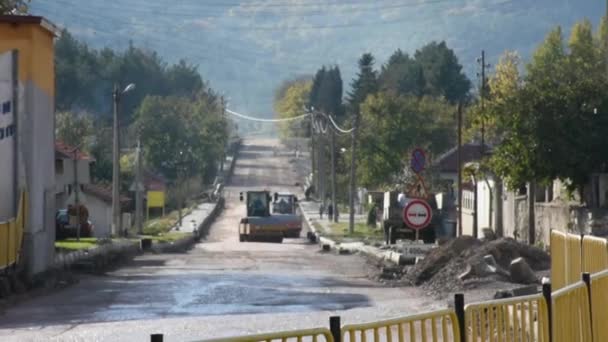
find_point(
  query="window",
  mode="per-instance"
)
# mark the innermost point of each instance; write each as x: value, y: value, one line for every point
x: 59, y: 166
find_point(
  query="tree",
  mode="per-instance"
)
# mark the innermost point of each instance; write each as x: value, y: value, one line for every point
x: 391, y: 126
x: 442, y: 72
x: 14, y: 6
x: 181, y: 137
x: 364, y: 84
x: 74, y: 130
x: 292, y: 102
x: 402, y: 75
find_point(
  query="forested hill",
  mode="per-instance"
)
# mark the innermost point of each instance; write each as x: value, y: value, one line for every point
x: 246, y: 48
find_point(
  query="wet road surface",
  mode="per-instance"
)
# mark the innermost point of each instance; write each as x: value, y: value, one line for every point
x: 241, y: 287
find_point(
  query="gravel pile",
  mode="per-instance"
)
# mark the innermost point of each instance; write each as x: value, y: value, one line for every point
x: 439, y: 271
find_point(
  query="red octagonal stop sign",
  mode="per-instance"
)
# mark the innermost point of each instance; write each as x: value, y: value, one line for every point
x: 417, y: 214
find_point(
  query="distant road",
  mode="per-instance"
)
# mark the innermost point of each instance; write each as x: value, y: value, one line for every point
x: 221, y: 287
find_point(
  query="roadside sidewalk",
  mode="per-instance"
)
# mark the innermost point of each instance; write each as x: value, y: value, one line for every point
x: 192, y: 221
x: 320, y: 229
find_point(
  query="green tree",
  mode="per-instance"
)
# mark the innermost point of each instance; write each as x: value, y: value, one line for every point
x: 14, y: 6
x: 364, y: 84
x: 402, y: 75
x: 392, y: 125
x: 74, y: 129
x: 291, y: 103
x: 442, y: 72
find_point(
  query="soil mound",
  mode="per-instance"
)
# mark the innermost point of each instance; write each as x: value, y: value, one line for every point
x: 440, y: 270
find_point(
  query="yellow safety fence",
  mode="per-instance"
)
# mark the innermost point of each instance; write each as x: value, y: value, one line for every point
x: 514, y: 319
x: 595, y: 254
x: 566, y: 259
x: 571, y: 317
x: 433, y: 326
x: 11, y: 236
x: 312, y: 335
x: 599, y: 305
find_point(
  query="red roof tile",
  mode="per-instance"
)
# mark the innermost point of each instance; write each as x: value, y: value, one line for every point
x: 65, y: 151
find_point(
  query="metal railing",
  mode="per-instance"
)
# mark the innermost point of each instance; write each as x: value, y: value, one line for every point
x: 11, y: 236
x: 514, y: 319
x: 312, y: 335
x: 571, y: 317
x: 433, y: 326
x: 595, y: 254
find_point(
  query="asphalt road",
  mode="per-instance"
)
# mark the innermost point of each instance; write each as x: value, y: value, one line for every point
x: 221, y: 287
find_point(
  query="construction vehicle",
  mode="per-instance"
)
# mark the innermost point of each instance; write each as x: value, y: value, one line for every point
x: 284, y: 210
x: 261, y: 225
x: 395, y: 228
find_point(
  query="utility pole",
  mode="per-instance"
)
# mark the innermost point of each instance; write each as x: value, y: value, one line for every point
x: 116, y: 96
x: 333, y: 175
x: 313, y: 156
x: 115, y: 165
x: 76, y: 194
x: 138, y: 190
x: 482, y: 93
x: 459, y: 162
x: 353, y: 165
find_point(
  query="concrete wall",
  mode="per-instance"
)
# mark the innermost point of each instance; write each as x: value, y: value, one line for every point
x: 35, y: 136
x: 67, y: 177
x: 100, y: 214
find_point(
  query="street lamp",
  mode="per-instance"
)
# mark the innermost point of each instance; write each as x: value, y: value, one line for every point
x: 116, y: 97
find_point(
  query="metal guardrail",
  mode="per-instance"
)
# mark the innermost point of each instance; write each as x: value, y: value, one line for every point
x: 566, y: 259
x: 11, y: 236
x: 595, y: 254
x: 599, y: 307
x: 571, y: 317
x: 514, y: 319
x: 433, y: 326
x: 312, y: 335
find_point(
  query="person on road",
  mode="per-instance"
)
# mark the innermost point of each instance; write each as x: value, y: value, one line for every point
x: 321, y: 210
x: 330, y: 211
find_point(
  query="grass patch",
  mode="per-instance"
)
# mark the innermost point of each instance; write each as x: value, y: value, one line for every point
x: 362, y: 231
x: 162, y: 225
x: 73, y: 245
x: 167, y: 237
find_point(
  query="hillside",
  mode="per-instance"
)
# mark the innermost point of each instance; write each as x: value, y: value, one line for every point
x: 246, y: 48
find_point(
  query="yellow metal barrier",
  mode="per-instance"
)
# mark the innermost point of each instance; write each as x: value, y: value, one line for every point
x: 514, y: 319
x: 433, y: 326
x: 558, y: 259
x: 566, y: 259
x: 313, y: 335
x: 571, y: 317
x: 4, y: 251
x: 11, y: 235
x: 599, y: 307
x: 595, y: 254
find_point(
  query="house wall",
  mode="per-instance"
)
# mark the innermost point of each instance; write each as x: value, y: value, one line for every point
x: 100, y: 214
x: 67, y: 176
x: 35, y: 137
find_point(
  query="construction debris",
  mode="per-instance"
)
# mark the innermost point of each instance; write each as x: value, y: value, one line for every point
x: 461, y: 262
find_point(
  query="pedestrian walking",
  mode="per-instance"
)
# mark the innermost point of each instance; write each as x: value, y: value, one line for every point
x: 321, y: 210
x: 330, y: 211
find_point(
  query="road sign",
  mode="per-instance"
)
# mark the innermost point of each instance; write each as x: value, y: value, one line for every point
x: 418, y: 161
x: 417, y: 214
x: 137, y: 186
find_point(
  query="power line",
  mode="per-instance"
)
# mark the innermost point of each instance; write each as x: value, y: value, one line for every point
x: 242, y: 116
x: 341, y: 130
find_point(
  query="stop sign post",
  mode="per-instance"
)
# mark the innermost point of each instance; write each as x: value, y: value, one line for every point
x: 417, y: 215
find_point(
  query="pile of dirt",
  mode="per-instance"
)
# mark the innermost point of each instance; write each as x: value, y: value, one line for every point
x: 440, y: 271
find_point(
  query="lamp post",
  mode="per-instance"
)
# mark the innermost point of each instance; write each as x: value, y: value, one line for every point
x: 116, y: 97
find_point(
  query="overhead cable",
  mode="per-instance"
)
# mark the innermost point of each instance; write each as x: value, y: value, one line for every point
x: 265, y: 120
x: 341, y: 130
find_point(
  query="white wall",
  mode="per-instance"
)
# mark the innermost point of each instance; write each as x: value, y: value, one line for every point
x: 100, y: 214
x: 67, y: 177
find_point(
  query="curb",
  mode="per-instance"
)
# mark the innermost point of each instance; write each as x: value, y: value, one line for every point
x: 373, y: 252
